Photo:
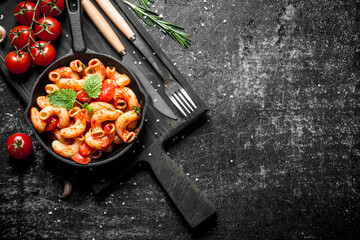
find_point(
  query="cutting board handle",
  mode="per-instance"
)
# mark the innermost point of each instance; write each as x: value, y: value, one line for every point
x: 73, y: 8
x: 190, y: 201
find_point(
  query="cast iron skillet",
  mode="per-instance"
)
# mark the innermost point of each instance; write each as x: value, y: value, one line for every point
x: 81, y: 52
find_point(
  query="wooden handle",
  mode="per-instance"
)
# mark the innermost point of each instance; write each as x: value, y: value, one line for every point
x: 103, y: 26
x: 116, y: 18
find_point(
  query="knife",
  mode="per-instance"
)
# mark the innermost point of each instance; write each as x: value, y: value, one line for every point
x: 106, y: 30
x: 124, y: 27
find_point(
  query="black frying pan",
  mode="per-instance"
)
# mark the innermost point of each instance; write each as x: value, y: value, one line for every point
x: 81, y: 52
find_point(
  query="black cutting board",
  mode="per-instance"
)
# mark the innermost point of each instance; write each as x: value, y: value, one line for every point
x: 149, y: 147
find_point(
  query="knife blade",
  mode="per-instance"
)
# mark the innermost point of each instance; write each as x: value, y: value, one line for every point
x: 106, y: 30
x: 156, y: 99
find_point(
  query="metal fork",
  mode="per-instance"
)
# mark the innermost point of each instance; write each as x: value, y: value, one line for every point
x: 177, y: 94
x: 179, y: 97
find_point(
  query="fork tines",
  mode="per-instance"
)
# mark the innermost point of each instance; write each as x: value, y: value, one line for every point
x: 183, y: 102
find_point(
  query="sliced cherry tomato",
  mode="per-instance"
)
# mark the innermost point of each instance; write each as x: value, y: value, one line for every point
x: 19, y: 36
x: 19, y: 146
x: 107, y: 92
x: 51, y: 124
x: 17, y: 62
x: 48, y: 29
x: 82, y: 96
x: 42, y: 53
x: 81, y: 159
x: 24, y: 12
x: 85, y: 150
x: 52, y: 8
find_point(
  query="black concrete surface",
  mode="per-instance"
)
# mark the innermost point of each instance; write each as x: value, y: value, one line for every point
x: 278, y: 153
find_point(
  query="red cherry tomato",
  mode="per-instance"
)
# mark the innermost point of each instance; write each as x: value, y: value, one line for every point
x: 24, y: 12
x: 85, y: 150
x: 52, y: 8
x: 19, y: 145
x: 81, y: 159
x: 42, y: 53
x: 51, y: 124
x: 107, y: 92
x: 17, y: 63
x: 19, y: 36
x: 82, y: 96
x: 46, y: 25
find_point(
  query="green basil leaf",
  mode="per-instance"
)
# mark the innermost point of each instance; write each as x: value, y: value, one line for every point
x: 64, y: 98
x: 92, y: 86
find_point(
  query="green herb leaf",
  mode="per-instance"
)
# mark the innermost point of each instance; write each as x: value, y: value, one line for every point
x: 92, y: 86
x: 145, y: 3
x: 64, y: 98
x: 137, y: 110
x: 154, y: 19
x: 89, y: 109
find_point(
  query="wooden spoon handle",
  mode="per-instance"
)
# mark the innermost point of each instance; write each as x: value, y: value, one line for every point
x: 103, y: 26
x: 116, y: 18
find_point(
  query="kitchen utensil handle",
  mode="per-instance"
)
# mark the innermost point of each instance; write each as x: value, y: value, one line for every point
x: 190, y: 201
x: 75, y: 20
x: 124, y: 27
x: 116, y: 18
x: 103, y: 26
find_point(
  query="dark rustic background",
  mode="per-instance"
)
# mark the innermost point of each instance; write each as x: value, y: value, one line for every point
x: 278, y: 153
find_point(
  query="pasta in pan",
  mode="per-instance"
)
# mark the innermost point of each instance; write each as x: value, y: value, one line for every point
x: 87, y: 110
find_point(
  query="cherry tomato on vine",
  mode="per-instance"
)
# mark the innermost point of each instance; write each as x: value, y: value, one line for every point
x: 48, y: 29
x: 19, y: 146
x: 17, y: 62
x: 24, y: 12
x: 19, y: 36
x: 81, y: 159
x: 52, y: 8
x: 107, y: 92
x: 42, y: 53
x: 51, y: 123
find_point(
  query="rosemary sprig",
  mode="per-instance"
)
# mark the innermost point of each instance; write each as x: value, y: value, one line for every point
x: 145, y: 3
x: 152, y: 18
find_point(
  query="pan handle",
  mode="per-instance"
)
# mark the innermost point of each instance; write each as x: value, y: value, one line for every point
x: 73, y: 8
x: 190, y: 201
